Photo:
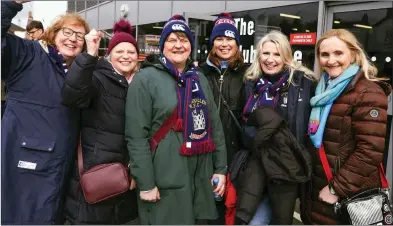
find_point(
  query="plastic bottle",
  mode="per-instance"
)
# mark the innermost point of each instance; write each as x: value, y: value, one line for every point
x: 218, y: 198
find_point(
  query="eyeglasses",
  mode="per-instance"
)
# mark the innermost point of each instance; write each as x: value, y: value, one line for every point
x: 183, y: 41
x: 32, y: 32
x: 68, y: 32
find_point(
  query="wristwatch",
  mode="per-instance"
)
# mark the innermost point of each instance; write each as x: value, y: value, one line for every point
x: 331, y: 189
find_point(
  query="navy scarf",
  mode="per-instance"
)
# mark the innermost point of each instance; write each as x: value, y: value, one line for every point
x: 193, y: 114
x: 56, y: 55
x: 265, y: 94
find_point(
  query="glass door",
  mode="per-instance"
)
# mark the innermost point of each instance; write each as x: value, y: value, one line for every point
x: 372, y: 25
x: 201, y: 25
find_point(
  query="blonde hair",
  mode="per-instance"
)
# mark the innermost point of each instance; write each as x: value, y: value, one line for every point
x: 284, y: 48
x: 50, y: 33
x: 368, y: 68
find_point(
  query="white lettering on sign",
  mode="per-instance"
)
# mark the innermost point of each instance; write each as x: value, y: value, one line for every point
x: 298, y: 55
x: 248, y: 54
x: 244, y: 27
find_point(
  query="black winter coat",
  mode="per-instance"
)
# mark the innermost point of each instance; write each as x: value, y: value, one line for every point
x: 233, y: 92
x: 276, y: 156
x: 101, y: 93
x: 262, y: 161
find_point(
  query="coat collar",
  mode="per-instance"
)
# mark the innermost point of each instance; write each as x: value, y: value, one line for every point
x: 351, y: 85
x: 106, y: 68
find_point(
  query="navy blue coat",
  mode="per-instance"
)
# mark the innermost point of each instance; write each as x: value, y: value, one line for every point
x: 38, y: 133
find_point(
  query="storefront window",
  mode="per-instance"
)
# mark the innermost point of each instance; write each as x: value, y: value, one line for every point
x: 373, y: 29
x: 297, y: 22
x: 149, y: 38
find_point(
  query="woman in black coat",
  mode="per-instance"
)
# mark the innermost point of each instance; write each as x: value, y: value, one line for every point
x: 224, y: 69
x: 99, y: 88
x: 274, y: 80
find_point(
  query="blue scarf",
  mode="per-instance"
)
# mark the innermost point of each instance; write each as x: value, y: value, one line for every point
x: 193, y: 114
x: 262, y: 89
x: 323, y: 100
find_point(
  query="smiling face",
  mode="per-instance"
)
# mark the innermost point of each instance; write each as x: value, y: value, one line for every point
x: 177, y: 48
x: 334, y: 56
x: 68, y: 42
x: 124, y: 58
x: 225, y: 47
x: 270, y: 60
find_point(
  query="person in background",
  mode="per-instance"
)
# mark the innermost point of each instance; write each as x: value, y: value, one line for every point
x: 175, y: 180
x: 224, y: 69
x: 38, y: 133
x: 34, y: 30
x: 99, y: 88
x: 274, y: 80
x: 348, y: 119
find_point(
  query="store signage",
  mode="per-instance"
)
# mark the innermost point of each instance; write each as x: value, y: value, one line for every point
x: 246, y: 28
x: 302, y: 38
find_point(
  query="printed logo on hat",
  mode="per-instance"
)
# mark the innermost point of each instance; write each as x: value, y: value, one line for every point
x: 227, y: 21
x: 229, y: 33
x: 178, y: 27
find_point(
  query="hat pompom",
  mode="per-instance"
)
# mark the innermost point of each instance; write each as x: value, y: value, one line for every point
x: 225, y: 15
x: 178, y: 17
x: 123, y: 26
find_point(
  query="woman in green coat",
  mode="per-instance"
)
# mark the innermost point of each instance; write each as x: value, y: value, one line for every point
x: 175, y: 181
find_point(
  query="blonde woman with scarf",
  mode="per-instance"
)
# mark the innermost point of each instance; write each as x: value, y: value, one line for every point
x: 348, y: 120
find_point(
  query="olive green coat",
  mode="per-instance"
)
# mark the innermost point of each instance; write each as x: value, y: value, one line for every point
x: 183, y: 182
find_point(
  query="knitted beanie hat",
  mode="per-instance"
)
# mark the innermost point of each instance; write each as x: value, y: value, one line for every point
x: 224, y: 25
x: 176, y: 23
x: 122, y: 33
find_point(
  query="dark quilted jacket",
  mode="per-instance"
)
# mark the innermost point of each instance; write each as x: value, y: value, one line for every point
x: 101, y: 94
x: 354, y: 137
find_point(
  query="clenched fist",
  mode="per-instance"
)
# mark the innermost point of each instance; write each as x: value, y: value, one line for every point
x: 21, y: 1
x: 93, y: 42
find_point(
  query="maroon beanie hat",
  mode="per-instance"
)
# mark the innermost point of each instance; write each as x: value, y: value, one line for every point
x: 122, y: 33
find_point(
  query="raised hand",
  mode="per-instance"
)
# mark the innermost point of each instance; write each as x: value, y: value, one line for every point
x: 21, y: 1
x: 93, y: 42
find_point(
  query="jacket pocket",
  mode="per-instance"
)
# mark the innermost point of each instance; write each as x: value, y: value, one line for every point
x: 37, y: 154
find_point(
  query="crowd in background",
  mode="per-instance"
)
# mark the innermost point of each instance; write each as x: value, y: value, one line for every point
x: 219, y: 143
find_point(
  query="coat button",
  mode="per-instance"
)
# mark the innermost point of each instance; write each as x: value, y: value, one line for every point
x: 233, y: 142
x: 24, y: 143
x: 49, y: 149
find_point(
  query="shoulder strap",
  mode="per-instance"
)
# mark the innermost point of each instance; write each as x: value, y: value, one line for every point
x: 227, y: 106
x: 329, y: 175
x: 163, y: 130
x: 325, y: 163
x: 80, y: 158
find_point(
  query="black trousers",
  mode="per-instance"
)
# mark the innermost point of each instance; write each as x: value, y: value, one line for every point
x: 221, y: 214
x: 282, y: 198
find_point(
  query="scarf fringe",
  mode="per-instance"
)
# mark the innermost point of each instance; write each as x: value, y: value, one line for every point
x: 198, y: 148
x: 178, y: 125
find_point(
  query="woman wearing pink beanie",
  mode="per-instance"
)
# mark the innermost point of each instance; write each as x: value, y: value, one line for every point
x: 99, y: 88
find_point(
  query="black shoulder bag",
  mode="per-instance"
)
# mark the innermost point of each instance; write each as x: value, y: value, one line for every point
x: 240, y: 158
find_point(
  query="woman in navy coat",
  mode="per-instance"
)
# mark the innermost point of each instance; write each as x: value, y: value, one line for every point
x: 38, y: 133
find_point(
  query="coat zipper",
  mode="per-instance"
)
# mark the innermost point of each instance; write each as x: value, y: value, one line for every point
x: 221, y: 82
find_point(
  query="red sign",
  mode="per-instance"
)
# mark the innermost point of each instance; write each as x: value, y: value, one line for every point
x: 303, y: 38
